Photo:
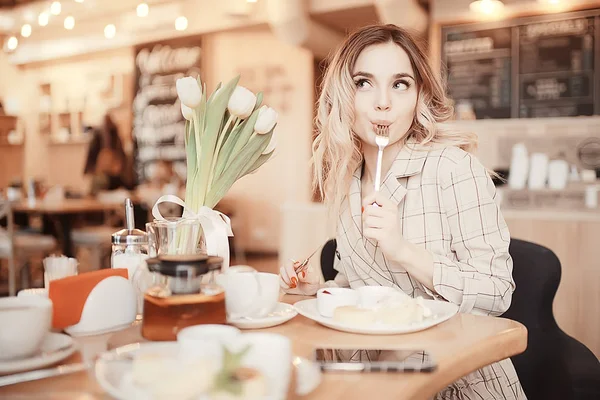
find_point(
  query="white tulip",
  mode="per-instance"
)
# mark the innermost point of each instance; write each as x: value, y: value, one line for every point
x: 242, y: 102
x: 267, y: 118
x: 187, y: 112
x: 271, y: 146
x: 189, y: 91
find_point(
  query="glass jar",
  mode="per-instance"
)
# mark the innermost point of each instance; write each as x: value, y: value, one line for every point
x: 175, y: 236
x: 130, y: 251
x: 184, y: 293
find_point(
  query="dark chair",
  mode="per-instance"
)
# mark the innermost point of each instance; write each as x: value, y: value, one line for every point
x: 327, y: 256
x: 554, y: 366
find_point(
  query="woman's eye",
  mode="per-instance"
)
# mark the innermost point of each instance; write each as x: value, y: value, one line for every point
x: 362, y: 83
x: 402, y: 85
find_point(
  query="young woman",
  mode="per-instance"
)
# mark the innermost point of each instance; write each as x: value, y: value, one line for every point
x: 433, y: 229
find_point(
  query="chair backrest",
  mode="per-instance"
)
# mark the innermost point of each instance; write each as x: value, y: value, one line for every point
x: 536, y: 271
x: 6, y: 233
x: 327, y: 258
x: 554, y: 365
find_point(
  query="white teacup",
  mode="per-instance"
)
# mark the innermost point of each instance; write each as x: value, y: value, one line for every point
x: 249, y: 294
x: 24, y: 322
x: 271, y: 354
x: 206, y: 341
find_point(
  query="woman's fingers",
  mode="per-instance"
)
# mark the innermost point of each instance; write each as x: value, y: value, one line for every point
x: 285, y: 279
x: 289, y: 272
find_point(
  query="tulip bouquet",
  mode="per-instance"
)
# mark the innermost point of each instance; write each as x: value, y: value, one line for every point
x: 228, y: 135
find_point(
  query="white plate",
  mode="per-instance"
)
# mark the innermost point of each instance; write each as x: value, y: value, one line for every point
x: 56, y: 347
x: 116, y: 379
x: 283, y: 313
x: 441, y: 310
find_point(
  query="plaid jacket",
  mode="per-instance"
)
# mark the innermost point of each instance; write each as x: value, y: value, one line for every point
x: 446, y: 204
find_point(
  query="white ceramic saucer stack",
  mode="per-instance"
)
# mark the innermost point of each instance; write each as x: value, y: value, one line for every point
x: 55, y: 348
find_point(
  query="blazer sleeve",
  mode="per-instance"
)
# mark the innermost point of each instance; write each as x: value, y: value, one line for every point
x: 477, y: 274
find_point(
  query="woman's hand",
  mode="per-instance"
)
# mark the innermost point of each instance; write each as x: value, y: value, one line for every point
x: 380, y: 223
x: 305, y: 282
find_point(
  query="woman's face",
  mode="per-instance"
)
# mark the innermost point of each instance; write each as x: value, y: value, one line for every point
x: 386, y: 92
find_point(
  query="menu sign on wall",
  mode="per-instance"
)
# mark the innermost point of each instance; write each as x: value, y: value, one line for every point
x: 529, y: 68
x: 556, y: 68
x: 479, y: 69
x: 158, y: 125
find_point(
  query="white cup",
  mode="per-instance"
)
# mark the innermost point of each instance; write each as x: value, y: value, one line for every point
x: 328, y: 299
x: 249, y: 294
x: 271, y: 354
x: 24, y: 322
x: 206, y: 341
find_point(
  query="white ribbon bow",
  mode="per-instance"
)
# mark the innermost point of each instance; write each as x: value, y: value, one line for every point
x: 216, y: 226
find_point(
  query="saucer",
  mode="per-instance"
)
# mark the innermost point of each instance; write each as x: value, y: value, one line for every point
x: 282, y: 313
x: 56, y: 347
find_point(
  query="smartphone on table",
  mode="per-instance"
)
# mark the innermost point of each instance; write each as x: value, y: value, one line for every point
x: 373, y: 360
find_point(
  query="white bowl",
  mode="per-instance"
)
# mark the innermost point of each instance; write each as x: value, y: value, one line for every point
x: 371, y: 296
x: 328, y: 299
x: 24, y: 322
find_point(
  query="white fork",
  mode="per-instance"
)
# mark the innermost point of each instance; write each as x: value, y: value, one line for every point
x: 382, y: 139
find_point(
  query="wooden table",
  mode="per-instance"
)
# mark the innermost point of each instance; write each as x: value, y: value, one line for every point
x: 460, y: 345
x: 62, y: 211
x: 66, y: 206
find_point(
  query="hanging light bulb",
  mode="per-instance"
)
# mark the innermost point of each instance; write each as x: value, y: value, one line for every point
x: 181, y: 23
x: 55, y: 8
x: 487, y: 7
x: 12, y: 43
x: 69, y: 22
x: 43, y: 19
x: 142, y: 10
x: 110, y: 31
x: 26, y: 30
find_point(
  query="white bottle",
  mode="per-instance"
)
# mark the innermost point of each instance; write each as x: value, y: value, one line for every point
x: 519, y: 167
x: 538, y: 171
x: 558, y: 174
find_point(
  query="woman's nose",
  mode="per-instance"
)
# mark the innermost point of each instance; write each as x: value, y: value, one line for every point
x: 383, y: 102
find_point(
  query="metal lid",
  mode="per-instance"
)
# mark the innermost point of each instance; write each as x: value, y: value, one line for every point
x: 129, y: 235
x: 126, y: 236
x: 184, y: 265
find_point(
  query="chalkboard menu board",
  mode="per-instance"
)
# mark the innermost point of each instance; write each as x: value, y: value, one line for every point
x: 158, y: 125
x: 533, y: 67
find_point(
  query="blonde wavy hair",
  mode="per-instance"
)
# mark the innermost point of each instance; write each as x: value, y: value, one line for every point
x: 336, y: 149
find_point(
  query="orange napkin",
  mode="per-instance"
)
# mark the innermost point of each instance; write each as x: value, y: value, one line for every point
x: 68, y: 295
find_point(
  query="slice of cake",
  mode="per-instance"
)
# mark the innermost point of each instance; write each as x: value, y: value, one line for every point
x: 353, y: 315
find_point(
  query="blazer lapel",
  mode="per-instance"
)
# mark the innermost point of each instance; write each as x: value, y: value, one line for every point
x: 408, y: 162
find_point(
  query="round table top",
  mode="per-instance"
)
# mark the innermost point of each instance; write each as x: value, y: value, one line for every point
x: 460, y: 345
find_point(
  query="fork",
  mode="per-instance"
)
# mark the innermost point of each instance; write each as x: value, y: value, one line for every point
x: 382, y: 139
x: 299, y: 267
